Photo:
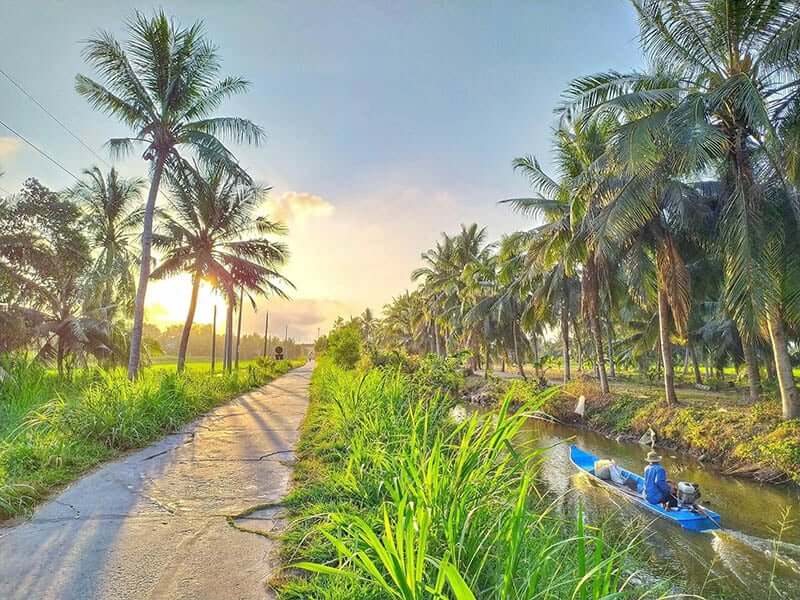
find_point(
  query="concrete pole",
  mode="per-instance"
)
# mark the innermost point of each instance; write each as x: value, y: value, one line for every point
x: 239, y: 325
x: 214, y: 339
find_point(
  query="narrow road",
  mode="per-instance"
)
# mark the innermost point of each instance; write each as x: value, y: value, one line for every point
x: 155, y: 525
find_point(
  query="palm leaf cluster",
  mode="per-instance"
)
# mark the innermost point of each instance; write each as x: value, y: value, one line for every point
x: 671, y: 222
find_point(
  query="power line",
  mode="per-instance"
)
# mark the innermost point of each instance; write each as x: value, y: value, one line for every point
x: 63, y: 126
x: 40, y: 151
x: 52, y: 116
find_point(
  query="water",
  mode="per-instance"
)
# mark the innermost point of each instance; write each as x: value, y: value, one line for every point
x: 736, y: 562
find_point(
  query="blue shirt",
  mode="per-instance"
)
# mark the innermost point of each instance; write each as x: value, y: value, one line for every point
x: 656, y: 489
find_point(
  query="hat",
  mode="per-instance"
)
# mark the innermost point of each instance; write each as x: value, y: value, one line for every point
x: 652, y: 457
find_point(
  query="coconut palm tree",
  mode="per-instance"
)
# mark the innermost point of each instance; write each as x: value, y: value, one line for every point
x: 550, y: 254
x: 734, y: 67
x: 112, y: 218
x: 45, y: 256
x: 212, y: 233
x: 163, y: 84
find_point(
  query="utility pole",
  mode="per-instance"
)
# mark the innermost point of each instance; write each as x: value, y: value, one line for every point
x: 239, y: 326
x: 214, y: 339
x: 266, y: 334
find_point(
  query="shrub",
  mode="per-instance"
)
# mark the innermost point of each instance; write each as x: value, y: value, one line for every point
x: 344, y: 345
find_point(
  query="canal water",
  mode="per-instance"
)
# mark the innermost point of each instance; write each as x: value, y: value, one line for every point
x: 743, y: 560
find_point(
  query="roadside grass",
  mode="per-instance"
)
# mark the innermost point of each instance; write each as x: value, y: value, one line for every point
x: 52, y: 430
x: 395, y: 499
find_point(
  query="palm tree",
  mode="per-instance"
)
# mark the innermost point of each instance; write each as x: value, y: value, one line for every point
x: 112, y: 217
x: 212, y: 233
x: 163, y: 84
x: 551, y: 254
x: 45, y: 256
x: 733, y: 66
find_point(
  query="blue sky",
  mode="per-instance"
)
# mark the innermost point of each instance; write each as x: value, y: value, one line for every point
x: 387, y: 122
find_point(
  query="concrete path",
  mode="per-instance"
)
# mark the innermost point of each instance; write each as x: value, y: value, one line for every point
x: 154, y: 525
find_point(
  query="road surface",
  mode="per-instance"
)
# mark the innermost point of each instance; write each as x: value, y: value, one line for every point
x: 154, y: 525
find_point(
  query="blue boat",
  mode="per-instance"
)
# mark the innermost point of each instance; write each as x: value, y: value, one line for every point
x: 696, y: 518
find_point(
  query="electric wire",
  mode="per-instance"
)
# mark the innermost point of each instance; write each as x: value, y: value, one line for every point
x: 30, y: 97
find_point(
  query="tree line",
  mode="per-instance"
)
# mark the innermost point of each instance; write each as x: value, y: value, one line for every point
x: 669, y: 224
x: 75, y: 264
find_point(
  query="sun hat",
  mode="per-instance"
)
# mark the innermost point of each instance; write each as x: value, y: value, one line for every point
x: 652, y: 457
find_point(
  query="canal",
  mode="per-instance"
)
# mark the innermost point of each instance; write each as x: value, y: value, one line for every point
x: 749, y: 558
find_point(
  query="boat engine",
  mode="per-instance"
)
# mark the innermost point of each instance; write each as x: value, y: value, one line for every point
x: 687, y: 493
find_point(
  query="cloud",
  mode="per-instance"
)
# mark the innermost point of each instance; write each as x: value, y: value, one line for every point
x: 9, y: 146
x: 296, y: 207
x: 302, y: 315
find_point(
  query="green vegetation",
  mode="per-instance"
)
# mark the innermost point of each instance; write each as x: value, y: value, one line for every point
x: 666, y: 233
x: 344, y: 345
x: 395, y: 499
x: 751, y: 440
x: 53, y: 429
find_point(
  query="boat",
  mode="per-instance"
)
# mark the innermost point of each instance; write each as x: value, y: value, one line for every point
x: 693, y: 518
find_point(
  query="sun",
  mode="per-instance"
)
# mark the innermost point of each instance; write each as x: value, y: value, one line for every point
x: 168, y: 302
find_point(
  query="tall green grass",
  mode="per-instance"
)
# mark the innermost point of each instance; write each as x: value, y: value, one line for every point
x: 52, y: 430
x: 396, y: 500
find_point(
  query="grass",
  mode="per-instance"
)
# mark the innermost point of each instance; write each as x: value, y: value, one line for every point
x: 52, y: 430
x: 394, y: 499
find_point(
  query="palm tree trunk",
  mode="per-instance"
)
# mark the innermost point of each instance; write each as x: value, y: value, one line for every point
x: 436, y: 338
x: 187, y: 326
x: 144, y: 270
x: 535, y: 349
x: 783, y: 366
x: 666, y: 346
x: 698, y: 379
x: 475, y: 350
x: 517, y: 354
x: 753, y: 376
x: 565, y: 334
x: 685, y: 361
x: 579, y: 342
x: 770, y: 365
x: 612, y: 367
x: 598, y: 348
x: 486, y: 372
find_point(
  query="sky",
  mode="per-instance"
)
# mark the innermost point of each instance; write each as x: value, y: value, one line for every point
x: 387, y: 123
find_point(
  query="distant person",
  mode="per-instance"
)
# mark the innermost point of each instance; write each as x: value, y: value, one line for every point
x: 657, y: 488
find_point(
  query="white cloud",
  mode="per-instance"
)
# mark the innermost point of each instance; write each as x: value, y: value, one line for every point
x: 296, y: 207
x: 9, y: 146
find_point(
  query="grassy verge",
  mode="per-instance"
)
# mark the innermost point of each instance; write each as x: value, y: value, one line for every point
x: 394, y: 499
x: 749, y: 440
x: 53, y: 430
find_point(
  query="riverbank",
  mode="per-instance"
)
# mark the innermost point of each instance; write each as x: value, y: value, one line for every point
x: 742, y: 440
x: 53, y: 430
x: 393, y: 497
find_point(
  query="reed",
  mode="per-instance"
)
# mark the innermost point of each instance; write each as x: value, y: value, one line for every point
x: 397, y: 500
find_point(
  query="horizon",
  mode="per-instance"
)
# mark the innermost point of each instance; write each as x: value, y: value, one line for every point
x: 386, y: 126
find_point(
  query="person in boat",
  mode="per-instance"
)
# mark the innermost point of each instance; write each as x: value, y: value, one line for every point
x: 657, y: 488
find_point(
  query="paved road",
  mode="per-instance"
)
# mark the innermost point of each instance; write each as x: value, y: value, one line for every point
x: 154, y: 525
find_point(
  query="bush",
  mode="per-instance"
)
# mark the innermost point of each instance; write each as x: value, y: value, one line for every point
x: 344, y: 345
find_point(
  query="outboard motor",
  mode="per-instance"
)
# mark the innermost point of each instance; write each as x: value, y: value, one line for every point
x: 687, y: 493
